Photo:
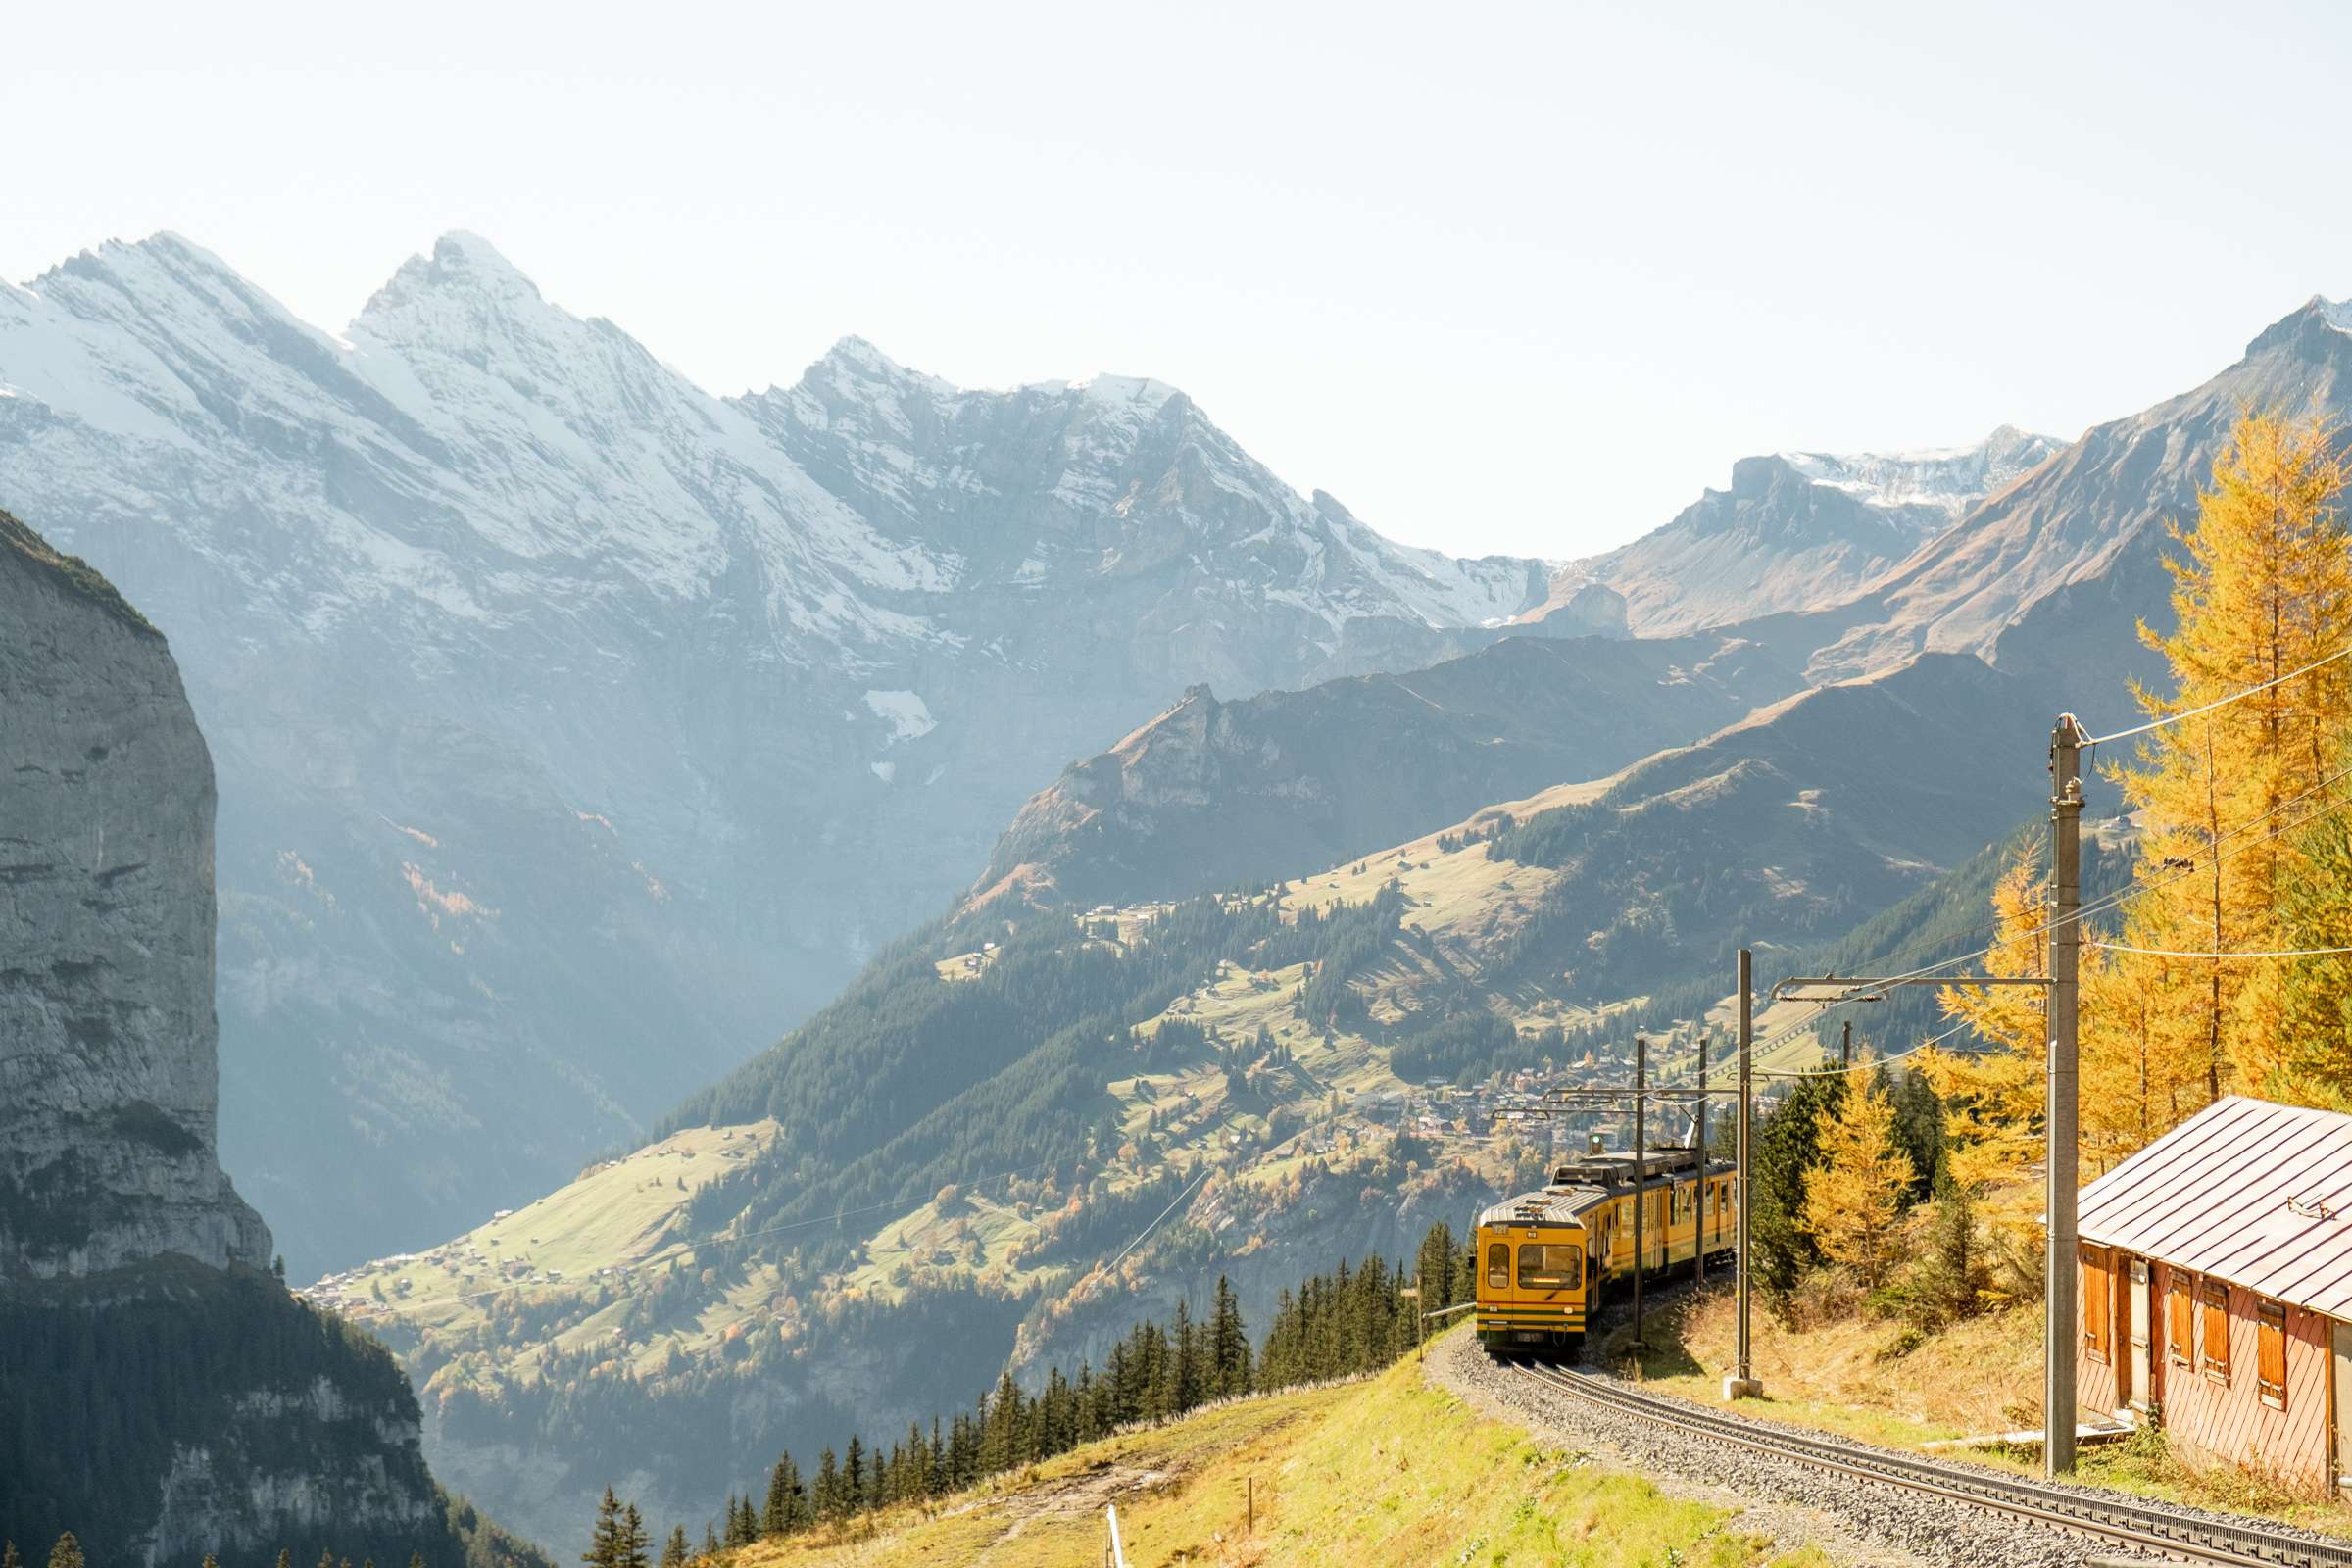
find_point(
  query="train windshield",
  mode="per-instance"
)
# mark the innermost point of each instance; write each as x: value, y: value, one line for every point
x: 1550, y: 1266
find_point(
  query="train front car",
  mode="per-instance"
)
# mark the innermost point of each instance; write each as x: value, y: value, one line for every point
x: 1533, y: 1252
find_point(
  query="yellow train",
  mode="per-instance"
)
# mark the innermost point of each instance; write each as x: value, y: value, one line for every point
x: 1547, y: 1260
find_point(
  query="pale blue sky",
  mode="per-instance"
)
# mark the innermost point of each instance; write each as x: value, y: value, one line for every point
x: 1500, y: 279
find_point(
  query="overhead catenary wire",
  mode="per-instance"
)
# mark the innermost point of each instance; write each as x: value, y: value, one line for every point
x: 2112, y: 901
x: 2219, y: 702
x: 2177, y: 952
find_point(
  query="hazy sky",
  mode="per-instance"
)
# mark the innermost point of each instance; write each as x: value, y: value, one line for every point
x: 1500, y: 279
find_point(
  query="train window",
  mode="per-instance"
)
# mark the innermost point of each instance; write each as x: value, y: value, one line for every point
x: 1498, y: 1266
x: 1549, y: 1266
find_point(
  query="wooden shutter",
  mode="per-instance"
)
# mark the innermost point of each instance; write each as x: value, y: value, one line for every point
x: 2214, y: 1330
x: 2180, y: 1319
x: 2098, y: 1302
x: 2270, y: 1360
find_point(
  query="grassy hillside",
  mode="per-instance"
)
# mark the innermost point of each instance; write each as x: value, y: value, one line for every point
x: 1874, y: 1379
x: 1385, y: 1470
x: 1014, y: 1135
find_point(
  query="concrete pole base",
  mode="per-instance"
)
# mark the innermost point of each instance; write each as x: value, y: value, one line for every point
x: 1743, y: 1389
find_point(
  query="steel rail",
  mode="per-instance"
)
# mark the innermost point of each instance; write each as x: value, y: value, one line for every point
x: 2110, y: 1518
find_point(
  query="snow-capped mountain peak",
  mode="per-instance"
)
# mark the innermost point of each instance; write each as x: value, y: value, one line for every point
x: 1942, y: 479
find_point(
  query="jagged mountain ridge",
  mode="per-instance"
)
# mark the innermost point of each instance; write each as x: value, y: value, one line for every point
x: 1799, y: 530
x: 2046, y: 579
x: 578, y: 729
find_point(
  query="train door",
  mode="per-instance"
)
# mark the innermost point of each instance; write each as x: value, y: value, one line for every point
x: 2137, y: 1331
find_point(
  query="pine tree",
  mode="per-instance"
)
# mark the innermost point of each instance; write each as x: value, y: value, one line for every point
x: 1950, y: 1280
x: 1229, y: 1342
x: 787, y: 1506
x: 66, y: 1553
x: 415, y: 1559
x: 10, y: 1559
x: 674, y: 1554
x: 633, y: 1541
x: 7, y: 1560
x: 829, y: 1505
x: 603, y: 1537
x: 285, y: 1558
x: 852, y: 1475
x: 710, y: 1540
x: 1854, y: 1197
x: 1787, y: 1145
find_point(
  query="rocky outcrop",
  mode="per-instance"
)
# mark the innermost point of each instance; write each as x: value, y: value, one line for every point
x: 1284, y: 783
x: 186, y: 1405
x: 109, y: 1079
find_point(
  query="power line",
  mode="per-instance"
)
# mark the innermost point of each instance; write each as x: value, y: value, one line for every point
x: 1156, y: 1218
x: 2175, y: 953
x: 1832, y: 1072
x: 2219, y: 702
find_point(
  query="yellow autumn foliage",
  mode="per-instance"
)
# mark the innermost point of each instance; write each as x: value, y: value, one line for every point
x: 1854, y: 1198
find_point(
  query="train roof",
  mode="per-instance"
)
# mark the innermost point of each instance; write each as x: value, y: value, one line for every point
x: 1581, y: 1183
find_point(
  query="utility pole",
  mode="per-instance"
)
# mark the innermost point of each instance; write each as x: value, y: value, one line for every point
x: 1698, y: 1240
x: 2059, y: 1333
x: 1845, y: 1043
x: 1641, y: 1184
x: 1742, y: 1384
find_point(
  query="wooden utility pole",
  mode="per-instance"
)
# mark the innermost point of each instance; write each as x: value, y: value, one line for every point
x: 2059, y: 1331
x: 1698, y: 1242
x: 1640, y: 1192
x: 1845, y: 1043
x: 1742, y: 1384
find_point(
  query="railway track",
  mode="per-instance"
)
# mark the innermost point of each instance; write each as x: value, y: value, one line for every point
x: 2116, y: 1520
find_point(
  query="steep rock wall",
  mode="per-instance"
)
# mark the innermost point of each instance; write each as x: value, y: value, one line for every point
x: 109, y: 1078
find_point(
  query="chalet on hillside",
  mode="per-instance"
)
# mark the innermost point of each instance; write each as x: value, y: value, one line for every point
x: 2215, y: 1272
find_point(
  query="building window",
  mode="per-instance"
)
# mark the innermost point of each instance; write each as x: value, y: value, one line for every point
x: 2270, y: 1356
x: 1498, y: 1267
x: 2215, y: 1331
x: 2099, y: 1303
x: 2180, y: 1319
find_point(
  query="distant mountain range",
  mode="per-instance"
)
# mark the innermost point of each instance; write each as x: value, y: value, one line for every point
x: 1801, y: 529
x: 2045, y: 578
x: 578, y: 730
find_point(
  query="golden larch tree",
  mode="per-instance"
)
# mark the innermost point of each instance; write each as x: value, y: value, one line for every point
x: 1854, y: 1198
x: 2263, y: 591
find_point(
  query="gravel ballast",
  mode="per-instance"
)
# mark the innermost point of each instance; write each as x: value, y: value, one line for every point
x: 1854, y: 1521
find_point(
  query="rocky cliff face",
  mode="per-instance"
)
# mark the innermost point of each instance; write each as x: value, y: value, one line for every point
x: 188, y: 1404
x: 109, y: 1082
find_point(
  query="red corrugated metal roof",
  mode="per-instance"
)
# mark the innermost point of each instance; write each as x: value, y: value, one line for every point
x: 2213, y: 1196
